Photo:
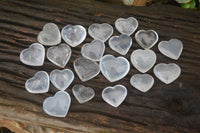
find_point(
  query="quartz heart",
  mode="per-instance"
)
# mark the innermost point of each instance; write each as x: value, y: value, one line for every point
x: 113, y: 68
x: 143, y: 60
x: 59, y: 55
x: 114, y: 95
x: 167, y: 73
x: 34, y: 55
x: 39, y: 83
x: 58, y: 105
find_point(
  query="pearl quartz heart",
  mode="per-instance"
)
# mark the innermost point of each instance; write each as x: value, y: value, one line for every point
x: 59, y: 55
x: 94, y: 50
x: 146, y: 38
x: 73, y: 35
x: 143, y: 60
x: 58, y: 105
x: 39, y: 83
x: 83, y: 94
x: 50, y: 35
x: 114, y: 95
x: 142, y: 82
x: 61, y: 79
x: 113, y: 68
x: 34, y: 55
x: 121, y: 44
x: 167, y: 73
x: 172, y: 48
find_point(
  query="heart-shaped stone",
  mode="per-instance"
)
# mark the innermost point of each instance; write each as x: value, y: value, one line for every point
x: 114, y: 95
x: 126, y: 26
x: 121, y: 44
x: 34, y: 55
x: 100, y: 32
x: 59, y: 55
x: 50, y: 35
x: 83, y: 94
x: 39, y: 83
x: 142, y: 82
x: 113, y: 68
x: 143, y: 60
x: 61, y: 79
x: 146, y: 38
x: 86, y: 69
x: 172, y: 48
x: 94, y: 50
x: 73, y: 35
x: 167, y: 73
x: 58, y: 105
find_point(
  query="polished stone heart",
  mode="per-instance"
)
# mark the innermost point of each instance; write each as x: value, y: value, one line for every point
x: 61, y: 79
x: 143, y: 60
x: 34, y: 55
x: 114, y: 95
x: 142, y: 82
x: 126, y: 26
x: 113, y: 68
x: 39, y: 83
x: 172, y: 48
x: 50, y: 35
x: 146, y: 38
x: 83, y: 94
x: 94, y: 50
x: 86, y: 69
x: 73, y: 35
x: 121, y: 44
x: 100, y: 32
x: 58, y: 105
x: 59, y: 55
x: 167, y: 73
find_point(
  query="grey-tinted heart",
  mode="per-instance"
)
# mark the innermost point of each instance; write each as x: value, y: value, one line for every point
x: 94, y: 50
x: 86, y: 69
x: 50, y: 35
x: 114, y: 95
x: 61, y: 79
x: 121, y: 44
x: 73, y: 35
x: 59, y: 55
x: 171, y: 48
x: 34, y: 55
x: 100, y: 31
x: 39, y: 83
x: 143, y: 60
x: 83, y: 94
x: 113, y: 68
x: 142, y: 82
x: 58, y: 105
x: 146, y: 38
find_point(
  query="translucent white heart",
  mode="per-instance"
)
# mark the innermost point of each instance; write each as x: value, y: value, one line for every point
x: 94, y: 50
x: 73, y: 35
x: 34, y: 55
x: 50, y: 35
x: 172, y: 48
x: 61, y: 79
x: 114, y: 68
x: 114, y: 95
x: 143, y: 60
x: 167, y: 73
x: 39, y: 83
x: 142, y: 82
x: 58, y: 105
x: 121, y: 44
x: 83, y: 94
x: 126, y: 26
x: 59, y: 55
